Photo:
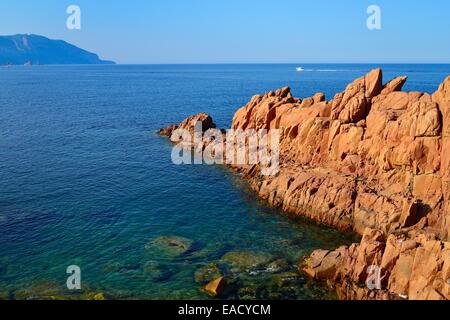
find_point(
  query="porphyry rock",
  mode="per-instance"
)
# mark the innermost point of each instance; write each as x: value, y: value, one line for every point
x: 401, y: 267
x: 375, y: 160
x: 189, y: 124
x: 216, y: 287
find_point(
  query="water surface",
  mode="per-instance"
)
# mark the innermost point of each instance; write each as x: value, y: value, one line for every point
x: 84, y: 180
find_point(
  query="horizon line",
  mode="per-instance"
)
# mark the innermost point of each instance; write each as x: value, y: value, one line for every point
x: 254, y: 63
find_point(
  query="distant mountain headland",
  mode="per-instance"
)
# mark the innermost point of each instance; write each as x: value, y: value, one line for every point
x: 30, y: 49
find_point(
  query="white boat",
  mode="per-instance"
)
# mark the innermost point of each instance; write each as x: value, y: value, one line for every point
x: 299, y: 69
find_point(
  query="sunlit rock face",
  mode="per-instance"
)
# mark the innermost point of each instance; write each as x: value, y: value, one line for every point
x: 374, y: 160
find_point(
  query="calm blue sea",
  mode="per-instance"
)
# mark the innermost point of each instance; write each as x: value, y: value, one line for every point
x: 85, y: 181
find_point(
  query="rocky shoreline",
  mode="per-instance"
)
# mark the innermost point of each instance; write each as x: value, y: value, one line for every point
x: 374, y: 160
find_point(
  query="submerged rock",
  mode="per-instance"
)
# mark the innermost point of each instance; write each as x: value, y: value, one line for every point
x: 174, y: 245
x: 93, y: 296
x: 156, y: 271
x: 4, y: 295
x: 247, y: 293
x: 51, y: 291
x: 283, y: 293
x: 278, y: 265
x: 245, y: 260
x: 112, y: 266
x: 40, y: 291
x: 288, y: 279
x: 208, y: 273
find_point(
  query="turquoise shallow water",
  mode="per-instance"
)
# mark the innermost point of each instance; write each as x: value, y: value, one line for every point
x: 84, y: 180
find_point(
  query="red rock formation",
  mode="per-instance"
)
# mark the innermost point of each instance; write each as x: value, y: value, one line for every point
x: 370, y: 157
x: 374, y: 160
x: 189, y: 123
x: 412, y: 266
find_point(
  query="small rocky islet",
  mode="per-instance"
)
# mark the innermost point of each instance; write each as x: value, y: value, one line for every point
x: 373, y: 160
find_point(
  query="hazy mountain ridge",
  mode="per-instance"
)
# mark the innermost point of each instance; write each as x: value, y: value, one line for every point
x: 24, y: 49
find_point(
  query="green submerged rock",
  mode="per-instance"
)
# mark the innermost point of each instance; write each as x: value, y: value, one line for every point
x: 112, y: 266
x: 288, y: 279
x: 4, y: 295
x: 156, y: 271
x: 245, y: 260
x: 278, y: 265
x: 247, y: 293
x: 172, y: 245
x: 50, y: 291
x: 207, y: 273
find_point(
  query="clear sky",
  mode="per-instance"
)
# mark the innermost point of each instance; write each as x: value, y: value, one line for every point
x: 241, y: 31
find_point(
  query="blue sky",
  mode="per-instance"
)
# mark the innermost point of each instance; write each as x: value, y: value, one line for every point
x: 242, y: 31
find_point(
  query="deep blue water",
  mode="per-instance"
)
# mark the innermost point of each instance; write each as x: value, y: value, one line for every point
x: 84, y: 180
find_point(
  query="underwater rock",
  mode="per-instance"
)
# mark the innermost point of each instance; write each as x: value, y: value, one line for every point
x: 288, y: 279
x: 117, y: 267
x: 247, y: 293
x: 174, y: 245
x: 51, y: 291
x: 207, y: 273
x: 283, y: 293
x: 4, y: 295
x: 156, y: 271
x: 99, y: 296
x: 112, y: 266
x: 93, y: 296
x: 40, y: 291
x: 278, y: 265
x: 245, y: 260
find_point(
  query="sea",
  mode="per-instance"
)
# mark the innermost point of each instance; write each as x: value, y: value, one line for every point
x: 85, y: 181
